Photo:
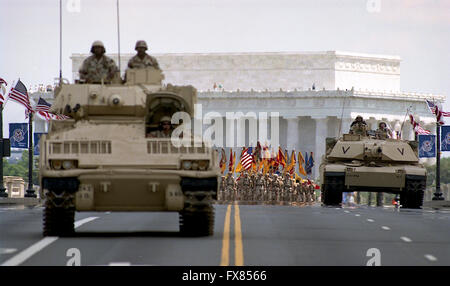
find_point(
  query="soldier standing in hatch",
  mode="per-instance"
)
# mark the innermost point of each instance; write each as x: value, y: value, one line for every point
x: 98, y: 67
x: 142, y: 60
x: 383, y: 132
x: 166, y: 129
x: 358, y: 126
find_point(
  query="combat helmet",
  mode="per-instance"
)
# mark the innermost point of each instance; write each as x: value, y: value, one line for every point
x: 165, y: 119
x: 141, y: 44
x: 97, y: 44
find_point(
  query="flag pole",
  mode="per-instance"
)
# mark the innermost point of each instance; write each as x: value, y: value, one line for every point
x: 438, y: 195
x: 3, y: 193
x: 30, y: 191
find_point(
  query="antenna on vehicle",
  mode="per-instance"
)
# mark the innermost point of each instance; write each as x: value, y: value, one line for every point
x: 60, y: 42
x: 404, y: 119
x: 118, y: 33
x: 342, y: 113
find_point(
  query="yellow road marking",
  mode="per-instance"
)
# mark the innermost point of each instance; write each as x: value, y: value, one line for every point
x: 225, y: 260
x: 238, y: 250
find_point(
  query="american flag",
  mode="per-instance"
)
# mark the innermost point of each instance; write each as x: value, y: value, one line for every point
x: 417, y: 128
x: 43, y: 109
x: 20, y: 95
x: 434, y: 108
x: 2, y: 90
x: 247, y: 158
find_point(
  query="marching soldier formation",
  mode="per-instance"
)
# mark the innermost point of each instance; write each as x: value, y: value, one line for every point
x: 269, y: 188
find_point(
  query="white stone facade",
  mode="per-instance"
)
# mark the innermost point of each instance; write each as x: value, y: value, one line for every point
x: 260, y: 71
x: 346, y: 85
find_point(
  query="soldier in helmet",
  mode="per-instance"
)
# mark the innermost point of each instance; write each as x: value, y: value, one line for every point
x: 230, y: 187
x: 266, y: 188
x: 383, y: 132
x: 222, y: 190
x: 358, y: 126
x: 288, y: 185
x: 299, y: 192
x: 98, y: 67
x: 165, y: 128
x: 142, y: 60
x: 259, y: 188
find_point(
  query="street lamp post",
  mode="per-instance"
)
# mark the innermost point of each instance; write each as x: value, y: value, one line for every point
x: 3, y: 193
x: 438, y: 195
x: 30, y: 191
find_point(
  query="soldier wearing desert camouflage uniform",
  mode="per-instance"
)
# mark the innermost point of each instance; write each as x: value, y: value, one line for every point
x: 277, y: 187
x: 247, y: 187
x: 99, y: 68
x: 287, y: 188
x: 312, y: 192
x: 267, y: 184
x: 142, y: 60
x: 239, y: 188
x: 259, y: 188
x: 298, y: 192
x: 230, y: 188
x: 222, y: 190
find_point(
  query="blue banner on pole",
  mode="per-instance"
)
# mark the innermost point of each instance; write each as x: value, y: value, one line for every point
x: 18, y: 135
x: 36, y: 140
x: 445, y: 138
x: 427, y: 146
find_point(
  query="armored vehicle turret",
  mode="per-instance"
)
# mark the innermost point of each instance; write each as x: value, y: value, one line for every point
x: 368, y: 161
x: 113, y: 154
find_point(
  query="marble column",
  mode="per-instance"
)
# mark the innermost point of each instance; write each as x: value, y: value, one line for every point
x: 345, y: 125
x: 372, y: 123
x: 292, y: 133
x: 321, y: 135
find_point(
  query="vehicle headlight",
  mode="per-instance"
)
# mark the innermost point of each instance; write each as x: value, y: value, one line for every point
x: 56, y: 164
x: 203, y: 165
x: 194, y: 165
x: 67, y: 164
x: 187, y: 165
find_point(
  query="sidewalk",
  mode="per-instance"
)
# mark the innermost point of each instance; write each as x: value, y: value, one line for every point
x: 20, y: 201
x: 437, y: 204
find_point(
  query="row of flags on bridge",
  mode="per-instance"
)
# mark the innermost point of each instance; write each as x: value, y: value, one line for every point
x: 19, y: 94
x: 261, y: 159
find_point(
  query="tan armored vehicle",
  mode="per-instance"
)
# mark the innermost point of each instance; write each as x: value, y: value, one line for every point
x: 105, y: 158
x: 367, y: 161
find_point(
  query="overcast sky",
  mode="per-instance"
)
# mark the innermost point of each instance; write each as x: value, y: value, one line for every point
x: 416, y: 30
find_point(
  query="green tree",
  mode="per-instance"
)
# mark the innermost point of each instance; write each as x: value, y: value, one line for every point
x: 445, y: 172
x: 20, y: 169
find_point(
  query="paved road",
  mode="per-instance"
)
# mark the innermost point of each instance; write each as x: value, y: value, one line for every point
x: 244, y: 235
